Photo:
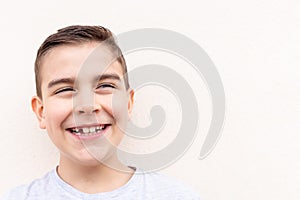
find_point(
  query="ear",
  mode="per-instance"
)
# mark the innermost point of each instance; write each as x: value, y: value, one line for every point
x: 38, y: 109
x: 130, y: 100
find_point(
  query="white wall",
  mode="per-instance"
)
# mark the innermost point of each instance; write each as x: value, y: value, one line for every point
x: 255, y: 46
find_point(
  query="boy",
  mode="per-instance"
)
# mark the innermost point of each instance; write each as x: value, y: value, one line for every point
x: 83, y: 101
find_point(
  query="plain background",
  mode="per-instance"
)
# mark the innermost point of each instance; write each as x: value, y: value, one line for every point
x: 255, y: 46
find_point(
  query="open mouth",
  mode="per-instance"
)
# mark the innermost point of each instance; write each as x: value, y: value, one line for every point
x: 88, y: 130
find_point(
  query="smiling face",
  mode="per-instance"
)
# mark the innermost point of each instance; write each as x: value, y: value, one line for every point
x: 84, y: 102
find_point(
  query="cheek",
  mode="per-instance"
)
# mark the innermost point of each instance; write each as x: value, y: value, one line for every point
x: 116, y: 104
x: 119, y: 105
x: 56, y: 112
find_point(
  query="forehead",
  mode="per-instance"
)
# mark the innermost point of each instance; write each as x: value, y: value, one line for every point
x: 82, y: 60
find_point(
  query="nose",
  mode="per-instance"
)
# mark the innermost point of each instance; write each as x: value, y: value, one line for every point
x: 87, y: 109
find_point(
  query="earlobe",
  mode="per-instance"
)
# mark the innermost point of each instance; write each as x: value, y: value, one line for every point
x: 38, y: 109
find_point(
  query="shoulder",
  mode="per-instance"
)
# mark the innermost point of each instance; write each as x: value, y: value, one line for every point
x: 166, y: 186
x: 33, y: 189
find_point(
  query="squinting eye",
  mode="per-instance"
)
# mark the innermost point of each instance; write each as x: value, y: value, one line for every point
x: 64, y: 90
x: 105, y: 85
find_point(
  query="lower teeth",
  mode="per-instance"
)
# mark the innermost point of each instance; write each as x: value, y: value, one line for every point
x: 86, y: 134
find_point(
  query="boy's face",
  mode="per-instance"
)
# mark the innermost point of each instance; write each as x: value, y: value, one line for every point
x: 82, y: 113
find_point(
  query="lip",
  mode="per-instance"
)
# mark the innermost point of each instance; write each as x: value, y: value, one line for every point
x: 89, y: 137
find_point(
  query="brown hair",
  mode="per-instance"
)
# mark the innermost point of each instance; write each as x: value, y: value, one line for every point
x: 76, y: 34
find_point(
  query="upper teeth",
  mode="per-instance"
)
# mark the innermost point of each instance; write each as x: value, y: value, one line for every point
x: 87, y: 130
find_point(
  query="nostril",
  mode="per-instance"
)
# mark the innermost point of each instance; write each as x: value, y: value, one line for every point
x: 86, y: 109
x: 95, y: 110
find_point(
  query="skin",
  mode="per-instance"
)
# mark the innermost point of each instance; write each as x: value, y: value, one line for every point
x: 84, y: 164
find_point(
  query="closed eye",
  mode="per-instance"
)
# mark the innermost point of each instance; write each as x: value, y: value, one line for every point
x: 105, y: 88
x: 68, y: 89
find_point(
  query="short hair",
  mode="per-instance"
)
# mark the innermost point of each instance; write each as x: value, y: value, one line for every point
x: 75, y: 35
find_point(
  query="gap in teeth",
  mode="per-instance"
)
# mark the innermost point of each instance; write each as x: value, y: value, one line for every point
x: 88, y: 130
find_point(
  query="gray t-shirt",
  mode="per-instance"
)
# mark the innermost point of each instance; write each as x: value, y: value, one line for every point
x: 142, y: 185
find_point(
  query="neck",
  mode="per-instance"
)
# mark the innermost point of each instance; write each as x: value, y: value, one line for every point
x: 94, y: 178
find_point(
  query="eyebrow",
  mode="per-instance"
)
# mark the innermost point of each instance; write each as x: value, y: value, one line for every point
x: 108, y: 76
x: 60, y: 81
x: 72, y: 80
